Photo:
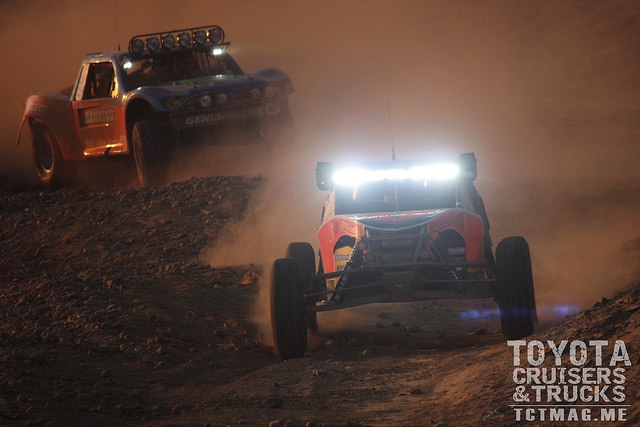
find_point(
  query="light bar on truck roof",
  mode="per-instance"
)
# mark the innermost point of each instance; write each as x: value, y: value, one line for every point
x: 354, y: 176
x: 200, y: 38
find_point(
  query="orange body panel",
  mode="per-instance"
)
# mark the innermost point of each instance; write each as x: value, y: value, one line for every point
x: 101, y: 126
x: 468, y: 225
x: 329, y: 234
x: 82, y: 128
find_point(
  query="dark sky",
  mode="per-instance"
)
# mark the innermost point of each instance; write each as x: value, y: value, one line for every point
x: 546, y: 93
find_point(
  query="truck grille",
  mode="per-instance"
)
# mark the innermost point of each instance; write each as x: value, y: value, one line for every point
x: 412, y: 246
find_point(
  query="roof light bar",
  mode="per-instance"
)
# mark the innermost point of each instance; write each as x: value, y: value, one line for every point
x: 199, y: 38
x: 354, y: 176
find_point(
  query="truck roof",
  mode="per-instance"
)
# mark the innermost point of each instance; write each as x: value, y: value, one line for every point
x: 119, y: 56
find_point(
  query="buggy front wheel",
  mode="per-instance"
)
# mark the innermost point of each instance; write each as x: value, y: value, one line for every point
x: 287, y: 308
x: 514, y: 288
x: 303, y: 252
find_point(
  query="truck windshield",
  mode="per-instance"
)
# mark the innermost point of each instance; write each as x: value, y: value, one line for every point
x: 395, y: 196
x: 165, y: 69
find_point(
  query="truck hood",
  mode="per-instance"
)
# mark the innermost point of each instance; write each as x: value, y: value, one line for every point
x: 399, y: 220
x: 222, y: 82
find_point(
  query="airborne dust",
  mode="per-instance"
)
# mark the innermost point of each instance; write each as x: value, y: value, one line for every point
x: 547, y: 94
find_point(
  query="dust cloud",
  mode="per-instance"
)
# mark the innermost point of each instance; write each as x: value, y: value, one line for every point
x: 545, y: 93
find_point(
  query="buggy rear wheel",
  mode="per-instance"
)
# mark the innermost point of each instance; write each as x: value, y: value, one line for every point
x: 514, y: 283
x: 287, y: 309
x: 306, y: 257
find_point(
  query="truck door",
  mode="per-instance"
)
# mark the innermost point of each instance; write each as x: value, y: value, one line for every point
x: 98, y: 106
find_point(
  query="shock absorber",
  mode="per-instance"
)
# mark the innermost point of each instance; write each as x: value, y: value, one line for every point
x: 355, y: 261
x: 443, y: 254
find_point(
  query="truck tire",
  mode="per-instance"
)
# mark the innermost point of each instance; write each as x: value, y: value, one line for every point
x: 306, y: 257
x: 51, y: 169
x: 287, y: 309
x: 514, y: 288
x: 151, y: 152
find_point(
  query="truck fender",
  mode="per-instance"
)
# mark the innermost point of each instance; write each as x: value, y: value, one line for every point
x: 275, y: 75
x: 54, y: 111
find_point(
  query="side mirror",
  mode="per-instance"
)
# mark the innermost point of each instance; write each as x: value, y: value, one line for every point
x: 468, y: 166
x: 324, y: 172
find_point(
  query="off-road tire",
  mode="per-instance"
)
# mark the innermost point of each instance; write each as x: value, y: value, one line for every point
x: 52, y: 171
x: 287, y: 309
x: 304, y: 253
x: 151, y: 152
x: 514, y: 288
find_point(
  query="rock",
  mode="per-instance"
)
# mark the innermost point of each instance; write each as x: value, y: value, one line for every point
x: 6, y: 411
x: 273, y: 402
x: 355, y: 342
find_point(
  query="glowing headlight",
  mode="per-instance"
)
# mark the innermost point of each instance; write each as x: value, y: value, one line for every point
x: 184, y: 40
x: 206, y: 101
x: 217, y: 51
x: 354, y: 176
x: 269, y: 92
x: 255, y: 94
x: 200, y: 37
x: 221, y: 98
x: 153, y: 45
x: 216, y: 35
x: 137, y: 46
x: 169, y: 42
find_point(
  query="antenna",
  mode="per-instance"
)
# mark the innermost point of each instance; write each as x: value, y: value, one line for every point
x: 393, y: 143
x: 117, y: 25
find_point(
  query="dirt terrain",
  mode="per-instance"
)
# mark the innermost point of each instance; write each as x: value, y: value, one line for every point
x: 147, y: 306
x: 110, y: 315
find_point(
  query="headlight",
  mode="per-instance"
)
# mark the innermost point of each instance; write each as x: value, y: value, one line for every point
x: 153, y: 45
x: 354, y: 176
x: 221, y: 98
x: 269, y: 92
x: 175, y: 103
x: 169, y: 42
x: 206, y: 101
x: 216, y: 35
x: 255, y: 94
x: 200, y: 37
x: 184, y: 40
x: 137, y: 47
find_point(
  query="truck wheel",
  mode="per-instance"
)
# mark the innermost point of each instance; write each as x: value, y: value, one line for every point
x: 514, y: 288
x: 51, y: 169
x: 287, y: 309
x: 306, y: 257
x: 151, y: 152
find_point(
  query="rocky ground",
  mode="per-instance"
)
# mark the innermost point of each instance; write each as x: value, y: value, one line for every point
x: 110, y: 316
